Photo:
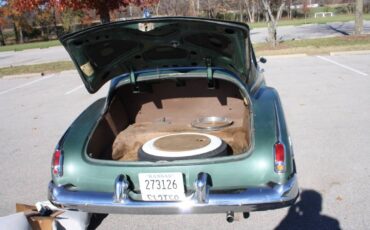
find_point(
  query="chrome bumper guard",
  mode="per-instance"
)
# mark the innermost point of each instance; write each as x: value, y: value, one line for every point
x: 201, y: 201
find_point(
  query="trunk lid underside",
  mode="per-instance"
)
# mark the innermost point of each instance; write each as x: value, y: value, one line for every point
x: 104, y: 52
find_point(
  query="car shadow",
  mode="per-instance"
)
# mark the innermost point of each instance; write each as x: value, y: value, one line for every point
x: 96, y: 220
x: 305, y: 214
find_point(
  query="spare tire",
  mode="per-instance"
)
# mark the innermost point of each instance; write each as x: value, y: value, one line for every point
x: 182, y: 146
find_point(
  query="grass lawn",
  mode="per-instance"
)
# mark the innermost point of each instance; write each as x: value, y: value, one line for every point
x: 316, y: 46
x: 31, y: 45
x: 311, y: 20
x: 39, y: 68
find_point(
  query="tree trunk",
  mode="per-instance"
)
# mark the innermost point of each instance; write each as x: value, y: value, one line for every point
x: 359, y: 21
x: 55, y: 22
x: 157, y: 8
x: 271, y: 29
x: 2, y: 40
x: 42, y: 33
x: 209, y: 9
x: 254, y: 10
x: 191, y: 11
x: 21, y: 35
x: 240, y: 11
x: 47, y: 32
x: 280, y: 11
x: 16, y: 32
x: 272, y: 34
x: 249, y: 11
x: 104, y: 13
x: 272, y: 20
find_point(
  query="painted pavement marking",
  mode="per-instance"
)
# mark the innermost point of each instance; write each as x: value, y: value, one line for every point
x: 26, y: 84
x: 74, y: 89
x: 343, y: 66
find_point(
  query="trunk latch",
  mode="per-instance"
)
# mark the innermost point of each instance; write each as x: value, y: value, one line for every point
x: 211, y: 81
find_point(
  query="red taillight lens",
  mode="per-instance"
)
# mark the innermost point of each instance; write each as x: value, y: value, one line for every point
x: 279, y: 157
x: 279, y: 152
x: 57, y: 163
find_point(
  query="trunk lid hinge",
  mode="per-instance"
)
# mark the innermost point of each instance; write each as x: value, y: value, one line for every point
x: 135, y: 87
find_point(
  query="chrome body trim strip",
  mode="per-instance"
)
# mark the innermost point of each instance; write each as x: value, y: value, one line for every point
x: 277, y: 124
x: 250, y: 199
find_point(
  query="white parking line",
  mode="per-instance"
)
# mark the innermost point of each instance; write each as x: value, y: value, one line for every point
x: 343, y: 66
x: 74, y: 89
x: 26, y: 84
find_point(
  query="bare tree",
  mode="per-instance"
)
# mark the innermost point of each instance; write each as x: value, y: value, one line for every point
x: 213, y: 7
x: 290, y: 9
x: 157, y: 8
x: 181, y: 7
x: 272, y: 19
x: 171, y: 8
x: 359, y: 21
x: 251, y: 6
x: 306, y: 9
x: 241, y: 10
x: 191, y: 9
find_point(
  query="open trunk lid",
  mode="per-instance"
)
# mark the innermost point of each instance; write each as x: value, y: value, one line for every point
x: 104, y: 52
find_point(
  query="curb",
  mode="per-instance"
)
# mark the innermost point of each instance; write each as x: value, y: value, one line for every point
x: 287, y: 55
x: 69, y: 71
x: 349, y: 52
x: 32, y: 75
x: 26, y: 75
x: 339, y: 53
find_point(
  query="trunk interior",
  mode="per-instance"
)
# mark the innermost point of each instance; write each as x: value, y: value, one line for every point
x: 156, y: 108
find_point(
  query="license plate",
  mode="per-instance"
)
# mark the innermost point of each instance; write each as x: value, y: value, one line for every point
x: 161, y: 186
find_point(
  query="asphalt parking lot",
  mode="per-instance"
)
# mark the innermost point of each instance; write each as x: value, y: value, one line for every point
x: 326, y: 101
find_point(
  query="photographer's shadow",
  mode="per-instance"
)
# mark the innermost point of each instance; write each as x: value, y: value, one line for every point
x: 306, y: 214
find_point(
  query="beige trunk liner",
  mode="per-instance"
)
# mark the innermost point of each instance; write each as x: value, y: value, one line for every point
x: 128, y: 141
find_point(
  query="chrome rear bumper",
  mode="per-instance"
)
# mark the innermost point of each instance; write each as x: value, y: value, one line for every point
x: 201, y: 201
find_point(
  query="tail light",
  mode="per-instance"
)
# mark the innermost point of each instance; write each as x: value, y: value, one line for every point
x: 279, y: 151
x: 57, y: 163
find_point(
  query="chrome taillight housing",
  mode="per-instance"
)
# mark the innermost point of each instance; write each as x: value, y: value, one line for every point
x: 279, y: 154
x: 57, y: 163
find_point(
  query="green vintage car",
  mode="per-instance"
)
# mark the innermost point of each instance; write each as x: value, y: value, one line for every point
x: 188, y: 125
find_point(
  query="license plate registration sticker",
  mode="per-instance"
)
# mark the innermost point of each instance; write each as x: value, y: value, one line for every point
x: 162, y: 186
